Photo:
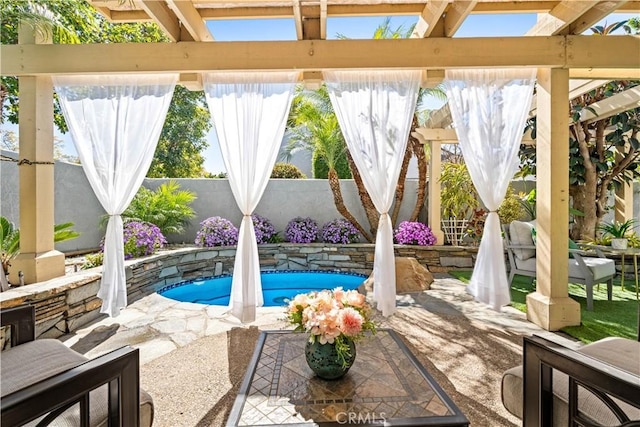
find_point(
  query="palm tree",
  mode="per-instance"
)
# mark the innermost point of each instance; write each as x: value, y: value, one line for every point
x: 414, y: 147
x: 313, y: 125
x: 10, y: 240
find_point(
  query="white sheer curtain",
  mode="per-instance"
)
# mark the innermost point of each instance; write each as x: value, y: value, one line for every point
x: 249, y: 111
x: 489, y: 109
x: 115, y: 122
x: 375, y: 109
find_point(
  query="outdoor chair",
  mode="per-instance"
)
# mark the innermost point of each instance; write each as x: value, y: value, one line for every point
x: 584, y: 269
x: 597, y: 384
x: 43, y: 381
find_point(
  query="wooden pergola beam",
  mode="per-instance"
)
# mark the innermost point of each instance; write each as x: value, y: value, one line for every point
x: 297, y: 19
x: 558, y: 20
x: 118, y: 13
x: 429, y: 17
x: 323, y: 19
x: 163, y: 16
x: 577, y: 87
x: 305, y: 55
x: 623, y: 101
x: 456, y: 14
x: 605, y: 73
x: 190, y: 19
x: 593, y: 15
x: 603, y: 52
x: 340, y: 10
x: 449, y: 136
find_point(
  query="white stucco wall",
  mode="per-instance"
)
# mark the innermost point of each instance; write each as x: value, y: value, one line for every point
x: 283, y: 200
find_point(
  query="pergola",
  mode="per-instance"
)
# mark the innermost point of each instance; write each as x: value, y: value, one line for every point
x: 554, y: 46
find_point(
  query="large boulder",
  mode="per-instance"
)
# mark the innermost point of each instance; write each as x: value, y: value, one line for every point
x: 411, y: 276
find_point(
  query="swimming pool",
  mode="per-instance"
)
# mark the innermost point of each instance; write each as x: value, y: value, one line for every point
x: 277, y: 286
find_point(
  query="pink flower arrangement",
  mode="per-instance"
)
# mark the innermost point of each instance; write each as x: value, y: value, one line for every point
x: 331, y: 316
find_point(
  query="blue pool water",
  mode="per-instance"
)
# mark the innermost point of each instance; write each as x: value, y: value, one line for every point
x: 277, y: 286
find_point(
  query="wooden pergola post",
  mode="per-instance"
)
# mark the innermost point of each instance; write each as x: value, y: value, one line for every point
x: 623, y: 201
x: 38, y: 260
x: 433, y: 201
x: 550, y: 306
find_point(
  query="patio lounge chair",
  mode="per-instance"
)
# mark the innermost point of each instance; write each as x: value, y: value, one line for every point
x: 598, y: 382
x: 587, y: 270
x: 45, y: 381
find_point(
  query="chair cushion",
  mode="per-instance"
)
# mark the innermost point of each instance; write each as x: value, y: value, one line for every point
x: 520, y: 233
x: 37, y: 360
x: 600, y: 267
x: 619, y: 352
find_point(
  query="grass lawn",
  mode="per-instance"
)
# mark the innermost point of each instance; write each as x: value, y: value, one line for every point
x: 609, y: 318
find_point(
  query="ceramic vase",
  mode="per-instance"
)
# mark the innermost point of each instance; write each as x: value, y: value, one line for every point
x: 324, y: 361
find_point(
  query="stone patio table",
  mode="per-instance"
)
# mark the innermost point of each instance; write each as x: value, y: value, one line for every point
x: 385, y: 384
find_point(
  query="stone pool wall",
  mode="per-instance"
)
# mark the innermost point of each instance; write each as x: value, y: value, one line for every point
x: 66, y: 303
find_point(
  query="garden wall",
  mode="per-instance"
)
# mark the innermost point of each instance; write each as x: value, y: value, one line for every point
x: 283, y: 200
x: 66, y: 303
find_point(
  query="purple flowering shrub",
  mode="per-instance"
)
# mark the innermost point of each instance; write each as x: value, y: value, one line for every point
x: 141, y: 238
x: 301, y: 230
x: 265, y: 232
x: 414, y: 233
x: 339, y: 231
x: 216, y: 231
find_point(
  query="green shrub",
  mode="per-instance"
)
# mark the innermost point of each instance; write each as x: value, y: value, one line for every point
x: 167, y: 207
x: 458, y: 197
x: 321, y: 170
x: 633, y: 240
x: 93, y: 260
x: 9, y: 243
x: 511, y: 208
x: 286, y: 171
x: 528, y: 202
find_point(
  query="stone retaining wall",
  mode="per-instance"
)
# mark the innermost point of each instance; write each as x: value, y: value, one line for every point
x: 66, y: 303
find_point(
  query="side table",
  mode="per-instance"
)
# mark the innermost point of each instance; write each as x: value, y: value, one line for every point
x: 634, y: 253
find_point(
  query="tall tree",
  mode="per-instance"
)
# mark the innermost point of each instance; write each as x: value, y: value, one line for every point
x: 183, y: 137
x: 603, y: 154
x: 9, y: 141
x: 46, y: 19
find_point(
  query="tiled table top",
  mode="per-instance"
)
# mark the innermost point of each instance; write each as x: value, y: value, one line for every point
x: 386, y: 383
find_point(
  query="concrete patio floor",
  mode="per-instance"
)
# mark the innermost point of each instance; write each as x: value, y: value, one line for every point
x: 193, y: 357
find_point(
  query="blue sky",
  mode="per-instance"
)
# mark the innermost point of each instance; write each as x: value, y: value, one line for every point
x: 355, y: 28
x: 364, y: 27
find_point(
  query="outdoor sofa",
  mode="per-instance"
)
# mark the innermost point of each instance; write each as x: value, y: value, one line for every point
x: 584, y: 269
x: 44, y: 380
